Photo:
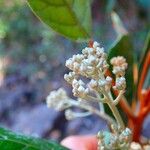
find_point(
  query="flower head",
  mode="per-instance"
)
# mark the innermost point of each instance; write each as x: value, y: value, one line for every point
x: 69, y: 114
x: 79, y: 89
x: 120, y: 83
x: 119, y: 65
x: 57, y: 99
x: 70, y: 77
x: 91, y: 63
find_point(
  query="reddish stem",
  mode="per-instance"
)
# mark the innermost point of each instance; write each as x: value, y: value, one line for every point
x: 90, y: 44
x: 143, y: 75
x: 135, y: 124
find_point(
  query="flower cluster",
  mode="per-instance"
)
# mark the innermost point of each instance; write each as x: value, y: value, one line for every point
x: 69, y: 114
x: 91, y: 63
x: 79, y: 89
x: 58, y: 99
x: 119, y: 67
x: 101, y: 84
x: 116, y: 140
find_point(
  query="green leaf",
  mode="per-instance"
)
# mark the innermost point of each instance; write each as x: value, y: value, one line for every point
x: 71, y: 18
x: 13, y: 141
x: 117, y: 24
x: 123, y: 47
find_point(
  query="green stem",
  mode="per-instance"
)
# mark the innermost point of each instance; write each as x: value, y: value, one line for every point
x: 114, y: 110
x: 91, y: 109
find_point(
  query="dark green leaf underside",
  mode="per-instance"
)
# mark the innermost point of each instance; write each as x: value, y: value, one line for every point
x: 71, y: 18
x: 12, y: 141
x: 123, y: 47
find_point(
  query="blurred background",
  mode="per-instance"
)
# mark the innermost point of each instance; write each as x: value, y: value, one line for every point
x: 32, y: 63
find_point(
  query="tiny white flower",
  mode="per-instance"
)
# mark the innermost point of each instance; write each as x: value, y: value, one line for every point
x: 69, y: 114
x: 119, y: 65
x: 91, y: 59
x: 76, y: 66
x: 69, y: 63
x: 81, y: 89
x: 109, y: 79
x: 81, y: 82
x: 83, y: 68
x: 102, y: 83
x: 70, y: 77
x: 120, y: 83
x: 93, y: 84
x: 95, y: 44
x: 57, y: 99
x: 74, y: 82
x: 90, y: 50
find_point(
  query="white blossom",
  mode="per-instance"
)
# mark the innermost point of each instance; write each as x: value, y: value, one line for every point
x: 78, y: 88
x: 108, y: 83
x: 93, y: 84
x: 91, y: 63
x: 95, y: 44
x: 120, y: 83
x: 119, y: 65
x: 57, y: 99
x: 70, y: 77
x: 69, y: 114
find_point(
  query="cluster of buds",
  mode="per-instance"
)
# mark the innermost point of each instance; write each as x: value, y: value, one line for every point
x: 58, y: 99
x: 101, y: 84
x: 119, y: 67
x: 92, y: 64
x: 79, y: 89
x: 118, y: 139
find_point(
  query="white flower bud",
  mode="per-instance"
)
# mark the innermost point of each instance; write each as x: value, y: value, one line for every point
x: 90, y: 51
x: 95, y: 44
x: 108, y: 79
x: 119, y: 65
x: 69, y: 114
x: 120, y: 83
x: 76, y: 66
x: 70, y: 77
x: 102, y: 83
x: 81, y: 89
x: 74, y: 82
x: 84, y: 51
x: 91, y: 59
x: 57, y: 99
x: 69, y: 63
x: 93, y: 84
x: 83, y: 68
